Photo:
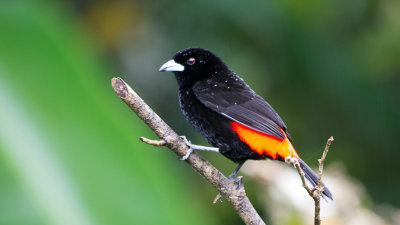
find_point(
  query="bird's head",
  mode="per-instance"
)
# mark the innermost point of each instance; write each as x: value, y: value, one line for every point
x: 193, y: 64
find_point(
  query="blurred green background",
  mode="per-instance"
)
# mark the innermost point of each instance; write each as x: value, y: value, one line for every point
x: 69, y: 147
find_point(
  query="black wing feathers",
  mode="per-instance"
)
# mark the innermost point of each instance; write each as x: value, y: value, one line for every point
x: 238, y: 102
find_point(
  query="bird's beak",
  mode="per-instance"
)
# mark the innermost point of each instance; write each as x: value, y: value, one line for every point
x: 171, y: 66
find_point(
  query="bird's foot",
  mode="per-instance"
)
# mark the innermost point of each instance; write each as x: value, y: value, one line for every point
x: 188, y: 143
x: 196, y: 147
x: 236, y: 180
x: 186, y: 140
x: 190, y: 151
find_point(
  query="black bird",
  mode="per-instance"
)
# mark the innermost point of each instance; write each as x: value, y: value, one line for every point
x: 240, y: 124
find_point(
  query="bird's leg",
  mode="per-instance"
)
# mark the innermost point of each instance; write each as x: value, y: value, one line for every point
x: 196, y: 147
x: 233, y: 175
x: 237, y: 180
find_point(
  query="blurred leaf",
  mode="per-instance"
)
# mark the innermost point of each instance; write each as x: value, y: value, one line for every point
x: 69, y: 145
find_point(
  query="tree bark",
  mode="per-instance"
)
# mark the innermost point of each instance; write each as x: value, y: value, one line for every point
x: 232, y: 191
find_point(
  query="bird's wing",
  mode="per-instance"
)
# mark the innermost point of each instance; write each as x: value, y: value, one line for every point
x: 240, y: 103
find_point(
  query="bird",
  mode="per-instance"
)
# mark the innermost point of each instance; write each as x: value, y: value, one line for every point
x: 233, y: 118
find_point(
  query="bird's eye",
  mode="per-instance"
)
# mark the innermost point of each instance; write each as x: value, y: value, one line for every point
x: 191, y: 61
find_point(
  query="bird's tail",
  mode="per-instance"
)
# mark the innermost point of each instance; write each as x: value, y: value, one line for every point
x: 313, y: 178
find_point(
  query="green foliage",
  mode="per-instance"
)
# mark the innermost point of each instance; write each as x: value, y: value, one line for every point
x: 70, y: 152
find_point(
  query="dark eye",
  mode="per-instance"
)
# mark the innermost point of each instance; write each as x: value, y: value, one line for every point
x: 191, y: 61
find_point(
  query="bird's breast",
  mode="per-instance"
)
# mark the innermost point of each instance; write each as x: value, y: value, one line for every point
x: 211, y: 125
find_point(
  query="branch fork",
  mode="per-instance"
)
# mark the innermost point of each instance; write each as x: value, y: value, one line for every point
x: 316, y: 191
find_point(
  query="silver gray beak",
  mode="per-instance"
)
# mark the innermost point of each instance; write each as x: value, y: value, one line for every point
x: 171, y: 66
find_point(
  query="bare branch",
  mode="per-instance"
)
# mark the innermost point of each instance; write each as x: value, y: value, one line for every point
x: 235, y: 195
x: 314, y: 192
x: 322, y: 160
x: 218, y: 197
x: 296, y: 163
x: 157, y: 143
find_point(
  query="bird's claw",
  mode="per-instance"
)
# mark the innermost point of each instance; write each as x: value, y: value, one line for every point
x: 186, y: 156
x: 236, y: 180
x: 186, y: 140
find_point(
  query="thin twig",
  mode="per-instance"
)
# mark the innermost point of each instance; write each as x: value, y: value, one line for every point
x: 235, y: 195
x: 322, y: 160
x: 296, y: 163
x: 314, y: 192
x: 218, y: 197
x: 157, y: 143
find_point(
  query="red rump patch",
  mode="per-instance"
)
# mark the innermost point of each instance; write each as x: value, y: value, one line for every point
x: 265, y: 143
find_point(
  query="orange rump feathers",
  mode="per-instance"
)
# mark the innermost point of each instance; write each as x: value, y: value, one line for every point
x: 265, y: 143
